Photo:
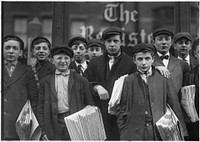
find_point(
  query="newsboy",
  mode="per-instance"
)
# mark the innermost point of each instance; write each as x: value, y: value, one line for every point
x: 144, y: 97
x: 62, y: 93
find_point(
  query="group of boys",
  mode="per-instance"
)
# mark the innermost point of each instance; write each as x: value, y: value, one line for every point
x: 71, y: 81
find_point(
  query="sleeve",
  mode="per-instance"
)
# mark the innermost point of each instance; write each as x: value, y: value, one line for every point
x: 40, y: 106
x: 32, y: 89
x: 172, y: 100
x: 123, y: 108
x: 88, y: 98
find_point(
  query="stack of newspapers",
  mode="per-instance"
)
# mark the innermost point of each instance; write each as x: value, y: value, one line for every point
x: 86, y: 124
x: 116, y: 94
x: 187, y: 102
x: 169, y: 126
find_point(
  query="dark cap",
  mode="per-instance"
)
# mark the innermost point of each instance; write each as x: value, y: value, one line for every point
x: 95, y: 42
x: 180, y: 35
x: 16, y: 38
x: 143, y: 46
x: 160, y: 31
x: 62, y: 49
x: 74, y: 39
x: 40, y: 39
x: 111, y: 31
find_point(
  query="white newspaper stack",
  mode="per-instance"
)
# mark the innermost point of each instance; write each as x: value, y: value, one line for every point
x: 187, y: 102
x: 116, y: 94
x: 27, y: 126
x: 169, y: 126
x: 86, y: 124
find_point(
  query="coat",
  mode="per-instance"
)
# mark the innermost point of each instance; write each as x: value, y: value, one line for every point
x: 47, y: 110
x: 16, y: 90
x: 176, y: 67
x: 131, y: 116
x: 97, y: 73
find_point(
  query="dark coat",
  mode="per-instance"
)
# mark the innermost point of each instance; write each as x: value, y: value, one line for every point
x: 47, y: 111
x: 16, y: 90
x: 46, y: 69
x: 193, y: 62
x: 176, y: 67
x: 98, y: 73
x: 131, y: 117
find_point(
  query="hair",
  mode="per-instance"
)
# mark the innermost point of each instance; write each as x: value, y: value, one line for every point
x: 144, y: 51
x: 16, y: 38
x: 77, y: 42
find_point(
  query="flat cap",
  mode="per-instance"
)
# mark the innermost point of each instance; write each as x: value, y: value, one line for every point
x: 74, y: 39
x: 111, y: 31
x: 180, y: 35
x: 143, y: 46
x: 38, y: 40
x: 16, y: 38
x: 95, y: 42
x: 160, y: 31
x: 62, y: 49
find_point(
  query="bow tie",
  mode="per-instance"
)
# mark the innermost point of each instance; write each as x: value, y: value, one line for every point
x: 164, y: 57
x: 63, y: 74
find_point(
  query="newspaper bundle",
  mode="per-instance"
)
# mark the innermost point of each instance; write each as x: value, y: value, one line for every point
x: 27, y: 126
x: 86, y: 124
x: 187, y: 102
x: 116, y: 94
x: 169, y: 126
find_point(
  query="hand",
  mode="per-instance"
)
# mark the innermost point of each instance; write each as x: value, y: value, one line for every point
x: 44, y: 137
x: 164, y: 71
x: 102, y: 92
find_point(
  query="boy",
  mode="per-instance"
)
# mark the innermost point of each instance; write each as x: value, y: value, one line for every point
x: 95, y: 48
x: 144, y: 98
x: 62, y: 93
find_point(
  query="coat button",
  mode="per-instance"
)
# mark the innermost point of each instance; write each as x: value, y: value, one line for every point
x: 5, y: 100
x: 137, y: 130
x: 146, y: 112
x: 139, y: 102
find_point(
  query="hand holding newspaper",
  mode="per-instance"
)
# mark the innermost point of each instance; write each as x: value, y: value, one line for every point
x: 116, y: 94
x: 26, y: 125
x: 187, y: 102
x: 169, y: 126
x: 86, y: 124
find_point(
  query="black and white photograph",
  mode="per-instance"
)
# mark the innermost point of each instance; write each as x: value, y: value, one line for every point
x: 99, y: 70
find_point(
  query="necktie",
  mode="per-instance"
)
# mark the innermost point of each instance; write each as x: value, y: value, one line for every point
x: 79, y: 69
x: 164, y: 57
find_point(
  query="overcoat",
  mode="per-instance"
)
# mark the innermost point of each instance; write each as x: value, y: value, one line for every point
x: 47, y: 110
x: 131, y: 116
x: 98, y: 73
x: 16, y: 90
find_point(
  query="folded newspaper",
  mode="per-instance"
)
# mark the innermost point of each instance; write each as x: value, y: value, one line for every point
x: 169, y: 126
x: 86, y: 124
x: 187, y: 102
x: 27, y: 126
x: 116, y: 94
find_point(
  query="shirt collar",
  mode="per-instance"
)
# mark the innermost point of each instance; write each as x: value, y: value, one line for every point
x: 84, y: 64
x: 187, y: 58
x: 159, y: 54
x: 12, y: 63
x: 148, y: 73
x: 57, y: 72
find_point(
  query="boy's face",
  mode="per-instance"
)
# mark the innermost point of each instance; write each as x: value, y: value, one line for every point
x: 41, y: 51
x: 143, y: 61
x: 196, y: 52
x: 113, y: 44
x: 94, y: 51
x: 162, y: 43
x: 79, y: 52
x: 61, y: 62
x: 183, y: 46
x: 12, y: 51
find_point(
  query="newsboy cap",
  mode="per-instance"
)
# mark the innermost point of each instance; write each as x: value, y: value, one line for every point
x: 111, y: 31
x: 180, y: 35
x: 95, y: 42
x: 143, y: 46
x: 74, y: 39
x: 16, y: 38
x: 38, y: 40
x: 160, y: 31
x: 62, y: 49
